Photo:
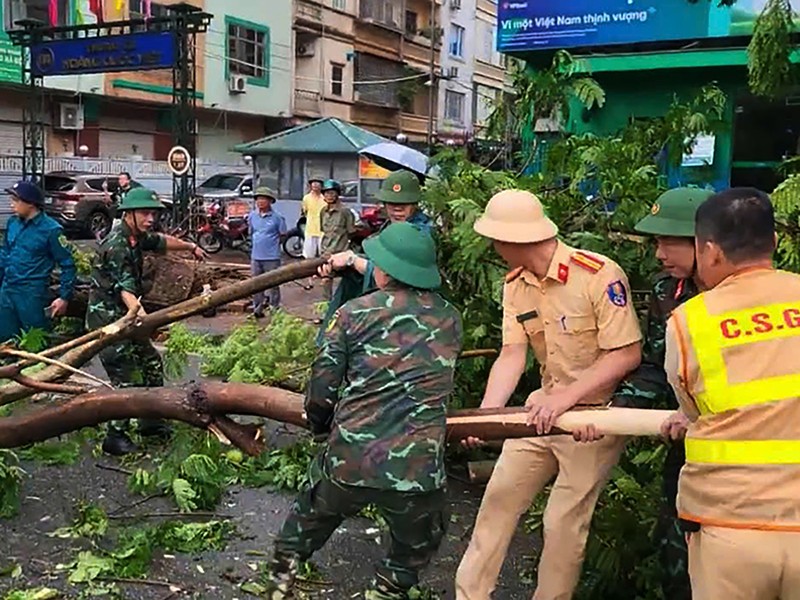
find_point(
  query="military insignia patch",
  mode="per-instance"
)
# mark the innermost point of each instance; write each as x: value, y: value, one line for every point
x: 332, y: 322
x: 617, y: 293
x: 656, y: 209
x: 397, y: 188
x: 62, y: 239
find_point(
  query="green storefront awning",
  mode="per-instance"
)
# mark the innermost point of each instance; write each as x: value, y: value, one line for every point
x: 325, y: 136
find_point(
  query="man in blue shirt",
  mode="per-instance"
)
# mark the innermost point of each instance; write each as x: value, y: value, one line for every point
x: 33, y: 246
x: 267, y: 228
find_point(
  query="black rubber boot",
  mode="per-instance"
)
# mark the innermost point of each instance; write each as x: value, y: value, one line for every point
x: 154, y: 428
x: 117, y: 443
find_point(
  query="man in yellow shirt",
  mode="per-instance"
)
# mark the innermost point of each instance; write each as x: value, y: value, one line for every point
x: 313, y: 205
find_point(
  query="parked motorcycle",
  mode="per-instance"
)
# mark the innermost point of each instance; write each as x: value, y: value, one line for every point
x: 295, y: 239
x: 221, y: 231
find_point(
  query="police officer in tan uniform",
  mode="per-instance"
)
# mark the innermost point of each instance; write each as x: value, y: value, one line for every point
x: 732, y: 358
x: 573, y: 309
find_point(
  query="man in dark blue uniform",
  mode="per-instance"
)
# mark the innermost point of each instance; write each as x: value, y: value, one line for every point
x: 33, y: 246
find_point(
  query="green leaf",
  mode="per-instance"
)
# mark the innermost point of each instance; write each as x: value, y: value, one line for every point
x: 184, y: 495
x: 89, y: 567
x: 251, y: 587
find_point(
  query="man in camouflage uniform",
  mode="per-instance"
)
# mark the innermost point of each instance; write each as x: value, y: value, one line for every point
x: 117, y: 288
x: 377, y: 393
x: 672, y: 223
x: 400, y: 195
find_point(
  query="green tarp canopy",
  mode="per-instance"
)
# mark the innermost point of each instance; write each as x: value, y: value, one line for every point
x: 326, y: 136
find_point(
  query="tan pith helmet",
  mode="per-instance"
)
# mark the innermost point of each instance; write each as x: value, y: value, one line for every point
x: 515, y: 216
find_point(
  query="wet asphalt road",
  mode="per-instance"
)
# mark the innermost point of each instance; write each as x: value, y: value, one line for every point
x: 49, y: 495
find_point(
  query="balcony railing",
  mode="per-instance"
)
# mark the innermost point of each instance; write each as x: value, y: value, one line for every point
x: 307, y: 102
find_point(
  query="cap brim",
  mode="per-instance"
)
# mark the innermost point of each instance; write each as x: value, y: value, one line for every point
x: 426, y: 278
x: 387, y: 198
x: 516, y: 233
x: 652, y: 225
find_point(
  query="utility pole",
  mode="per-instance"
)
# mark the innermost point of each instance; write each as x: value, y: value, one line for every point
x: 432, y: 82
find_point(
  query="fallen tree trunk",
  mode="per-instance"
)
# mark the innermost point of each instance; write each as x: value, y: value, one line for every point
x: 208, y: 406
x: 133, y: 327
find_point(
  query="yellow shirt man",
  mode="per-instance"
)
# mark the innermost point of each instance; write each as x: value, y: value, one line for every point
x: 312, y: 207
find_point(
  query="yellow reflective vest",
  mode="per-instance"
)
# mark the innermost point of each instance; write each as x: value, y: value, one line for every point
x: 739, y: 368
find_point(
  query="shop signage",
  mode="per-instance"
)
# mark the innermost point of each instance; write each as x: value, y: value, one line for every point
x: 702, y: 153
x: 130, y: 52
x: 10, y: 61
x: 179, y: 160
x: 525, y: 25
x: 369, y: 170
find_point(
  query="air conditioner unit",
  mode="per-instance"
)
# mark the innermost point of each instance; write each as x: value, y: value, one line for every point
x: 451, y: 73
x: 70, y: 116
x: 455, y: 4
x: 305, y: 50
x: 237, y: 84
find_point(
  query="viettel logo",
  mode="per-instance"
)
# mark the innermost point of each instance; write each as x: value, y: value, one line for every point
x: 515, y: 5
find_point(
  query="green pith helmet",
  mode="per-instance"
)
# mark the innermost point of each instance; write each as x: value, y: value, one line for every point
x: 140, y: 199
x: 331, y: 185
x: 406, y: 254
x: 673, y: 213
x: 264, y: 192
x: 401, y: 187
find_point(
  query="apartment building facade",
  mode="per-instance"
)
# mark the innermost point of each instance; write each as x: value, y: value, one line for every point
x: 371, y: 62
x: 245, y: 69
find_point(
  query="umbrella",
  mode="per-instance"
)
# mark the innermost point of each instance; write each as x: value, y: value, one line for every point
x: 396, y: 156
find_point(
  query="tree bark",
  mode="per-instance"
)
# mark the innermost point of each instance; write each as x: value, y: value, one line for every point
x: 131, y: 327
x: 208, y: 405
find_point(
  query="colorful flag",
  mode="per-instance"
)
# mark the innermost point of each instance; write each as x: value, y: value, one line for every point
x: 96, y: 8
x: 53, y: 13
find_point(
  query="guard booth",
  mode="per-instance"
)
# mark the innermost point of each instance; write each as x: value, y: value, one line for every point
x: 324, y: 149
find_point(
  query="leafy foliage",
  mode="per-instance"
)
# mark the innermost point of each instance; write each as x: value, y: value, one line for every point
x: 197, y: 469
x: 544, y: 94
x: 10, y: 478
x: 786, y: 199
x: 136, y: 546
x: 91, y: 522
x: 249, y: 354
x: 769, y: 66
x: 33, y: 594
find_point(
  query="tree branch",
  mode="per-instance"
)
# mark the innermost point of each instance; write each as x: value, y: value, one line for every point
x: 126, y: 327
x: 208, y: 405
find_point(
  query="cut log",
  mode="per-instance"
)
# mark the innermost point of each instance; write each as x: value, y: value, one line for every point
x: 504, y: 423
x: 208, y: 406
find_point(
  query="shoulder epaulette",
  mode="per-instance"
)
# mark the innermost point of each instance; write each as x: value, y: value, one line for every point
x: 512, y: 275
x: 587, y: 261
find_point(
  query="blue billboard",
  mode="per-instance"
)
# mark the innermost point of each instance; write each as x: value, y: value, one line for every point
x: 525, y: 25
x: 129, y: 52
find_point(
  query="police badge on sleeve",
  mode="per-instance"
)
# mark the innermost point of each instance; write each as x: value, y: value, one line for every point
x: 617, y: 293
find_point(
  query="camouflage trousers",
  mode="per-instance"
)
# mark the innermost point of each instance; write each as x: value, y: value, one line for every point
x: 416, y: 521
x: 132, y: 364
x: 671, y: 537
